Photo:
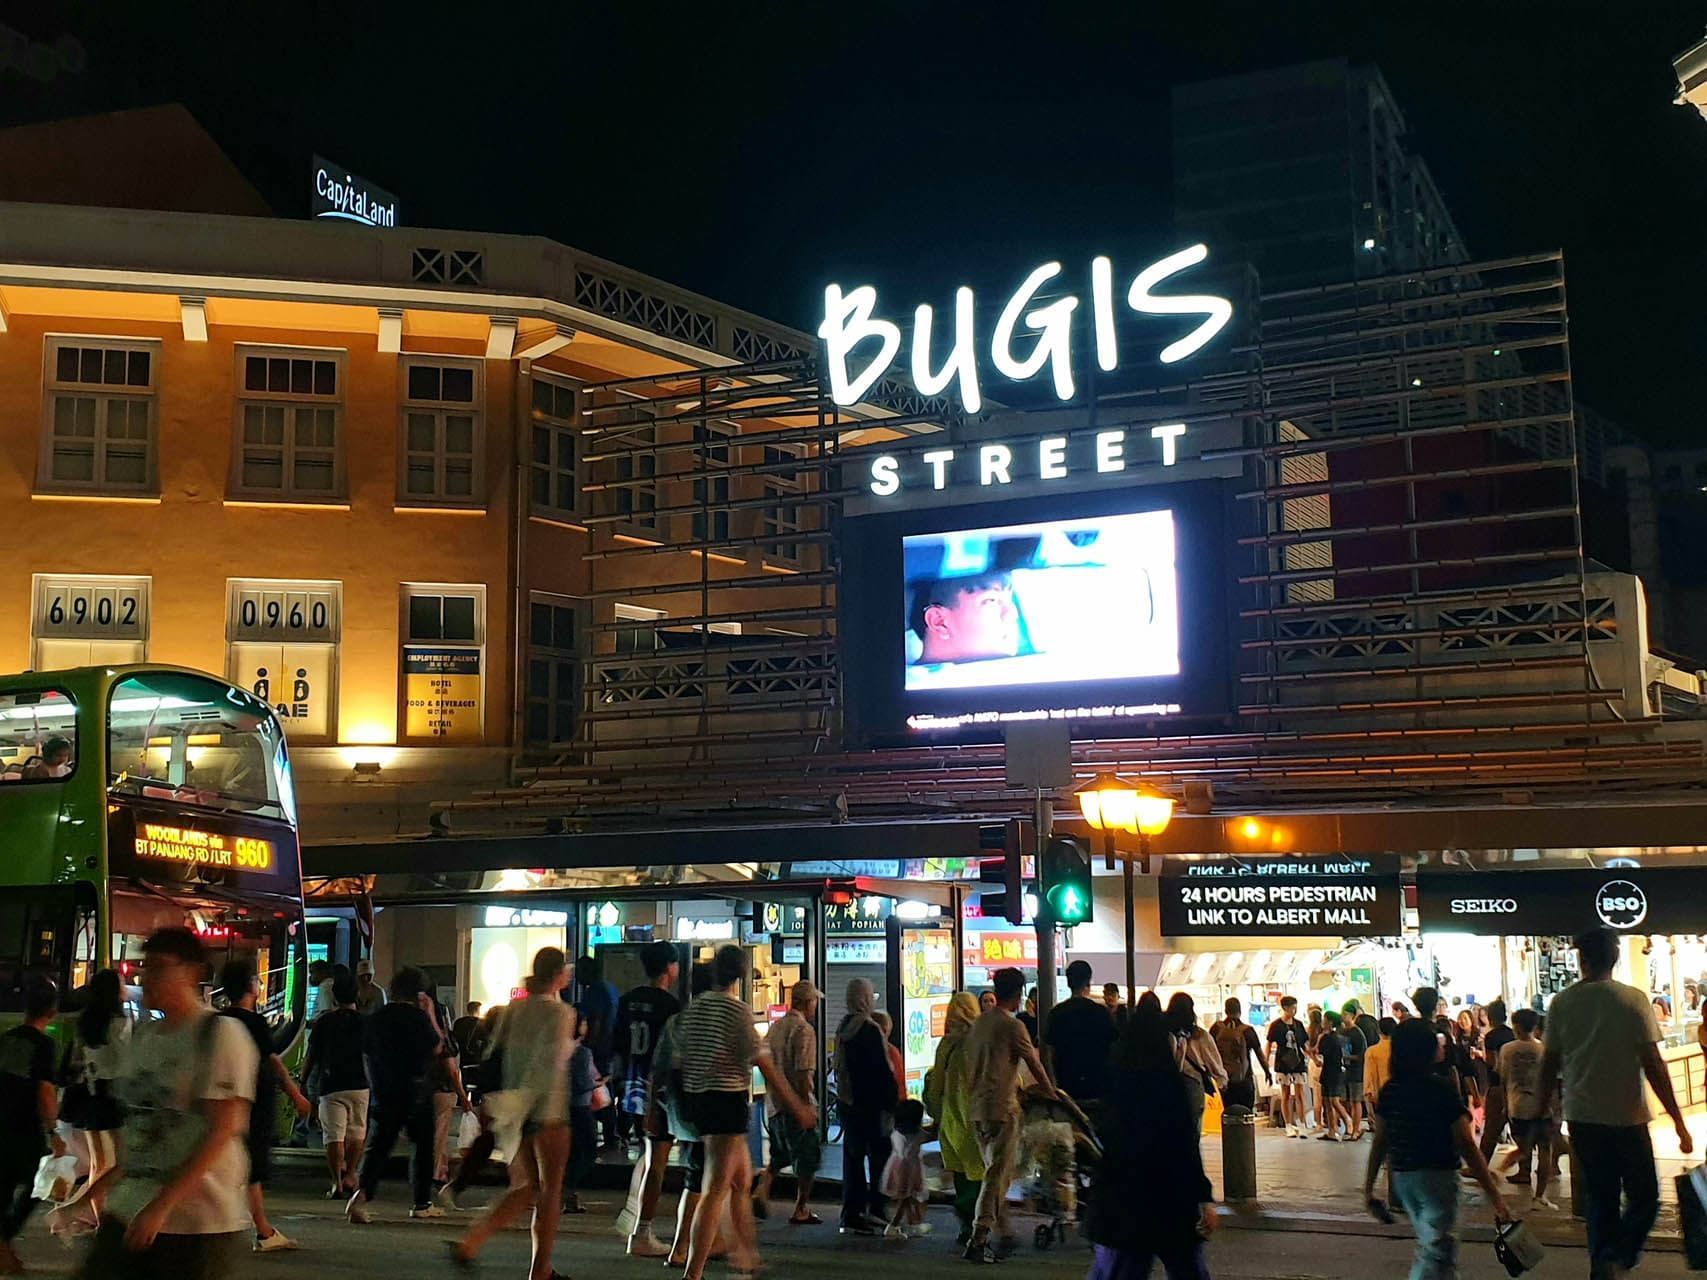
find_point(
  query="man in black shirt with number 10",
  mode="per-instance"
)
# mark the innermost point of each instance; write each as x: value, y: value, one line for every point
x: 640, y: 1019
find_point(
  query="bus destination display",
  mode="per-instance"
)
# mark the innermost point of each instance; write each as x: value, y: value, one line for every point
x: 162, y: 842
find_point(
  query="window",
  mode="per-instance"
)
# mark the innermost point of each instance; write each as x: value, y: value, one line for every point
x: 82, y: 621
x: 444, y: 638
x: 100, y: 416
x: 711, y: 524
x: 633, y: 476
x: 639, y: 638
x: 289, y: 425
x: 282, y: 646
x: 554, y: 671
x: 555, y: 490
x: 38, y: 736
x: 441, y: 433
x: 781, y: 520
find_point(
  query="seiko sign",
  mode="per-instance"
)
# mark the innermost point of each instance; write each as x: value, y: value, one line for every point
x: 1563, y: 901
x: 1029, y: 336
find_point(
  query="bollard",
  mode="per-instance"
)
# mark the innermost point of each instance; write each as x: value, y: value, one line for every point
x: 1238, y: 1154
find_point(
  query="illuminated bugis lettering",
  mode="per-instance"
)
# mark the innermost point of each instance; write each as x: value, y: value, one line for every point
x: 850, y: 322
x: 1043, y: 458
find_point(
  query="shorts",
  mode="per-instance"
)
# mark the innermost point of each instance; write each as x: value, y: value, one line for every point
x: 1354, y: 1087
x: 717, y: 1112
x: 791, y: 1144
x: 1539, y: 1131
x: 170, y: 1257
x: 1297, y: 1078
x: 1333, y: 1084
x: 344, y: 1115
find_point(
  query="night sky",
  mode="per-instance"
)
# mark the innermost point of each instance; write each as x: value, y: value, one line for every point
x: 755, y: 151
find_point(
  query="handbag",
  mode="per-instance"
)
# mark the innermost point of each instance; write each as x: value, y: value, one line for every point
x: 1692, y: 1216
x: 1517, y: 1248
x: 77, y: 1098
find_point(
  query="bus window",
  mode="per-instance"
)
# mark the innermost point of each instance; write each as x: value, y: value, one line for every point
x: 38, y: 736
x: 198, y: 742
x: 36, y: 925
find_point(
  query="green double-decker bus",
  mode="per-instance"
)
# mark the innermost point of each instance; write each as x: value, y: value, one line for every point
x: 135, y: 797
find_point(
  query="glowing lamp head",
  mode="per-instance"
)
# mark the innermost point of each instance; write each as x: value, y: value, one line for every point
x: 1154, y: 812
x: 1110, y: 803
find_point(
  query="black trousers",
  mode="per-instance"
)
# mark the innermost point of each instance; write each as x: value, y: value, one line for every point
x: 393, y: 1117
x: 170, y: 1257
x: 1623, y: 1192
x: 583, y: 1148
x: 17, y: 1186
x: 863, y: 1143
x: 1240, y: 1093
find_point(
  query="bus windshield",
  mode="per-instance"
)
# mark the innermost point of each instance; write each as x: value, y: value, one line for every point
x: 195, y: 741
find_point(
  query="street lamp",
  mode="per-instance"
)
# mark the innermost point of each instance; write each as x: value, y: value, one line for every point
x: 1110, y: 803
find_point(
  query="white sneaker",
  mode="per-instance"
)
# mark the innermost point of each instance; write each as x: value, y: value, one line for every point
x: 356, y: 1210
x: 430, y: 1211
x: 647, y: 1245
x: 919, y: 1229
x: 446, y: 1198
x: 1542, y: 1202
x: 894, y: 1231
x: 278, y: 1242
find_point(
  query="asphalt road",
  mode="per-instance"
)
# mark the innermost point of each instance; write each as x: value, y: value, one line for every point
x: 395, y: 1248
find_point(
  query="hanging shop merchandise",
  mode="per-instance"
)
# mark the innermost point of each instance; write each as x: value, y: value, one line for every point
x: 1540, y: 901
x: 1326, y: 896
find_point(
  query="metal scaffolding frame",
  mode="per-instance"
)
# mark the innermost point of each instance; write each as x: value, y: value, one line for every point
x: 1415, y: 622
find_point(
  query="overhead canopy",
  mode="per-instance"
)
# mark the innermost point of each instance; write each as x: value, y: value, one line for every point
x: 939, y: 893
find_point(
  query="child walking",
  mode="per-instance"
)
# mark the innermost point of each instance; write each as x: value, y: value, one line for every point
x: 904, y: 1175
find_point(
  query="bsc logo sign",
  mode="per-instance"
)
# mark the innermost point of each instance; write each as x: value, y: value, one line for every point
x: 1621, y: 904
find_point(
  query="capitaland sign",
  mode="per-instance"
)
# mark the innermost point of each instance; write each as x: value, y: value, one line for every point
x: 1029, y: 336
x: 340, y: 195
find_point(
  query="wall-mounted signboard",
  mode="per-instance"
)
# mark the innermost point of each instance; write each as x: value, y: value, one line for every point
x: 1298, y: 896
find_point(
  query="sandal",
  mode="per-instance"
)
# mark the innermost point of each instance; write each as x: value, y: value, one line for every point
x: 810, y: 1220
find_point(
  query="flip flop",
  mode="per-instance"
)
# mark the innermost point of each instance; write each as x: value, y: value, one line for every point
x: 810, y: 1220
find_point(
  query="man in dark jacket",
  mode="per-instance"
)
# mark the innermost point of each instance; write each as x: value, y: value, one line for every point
x: 401, y: 1045
x: 865, y: 1090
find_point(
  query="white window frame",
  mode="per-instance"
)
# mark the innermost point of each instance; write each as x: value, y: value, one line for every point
x: 621, y: 612
x: 41, y: 584
x: 555, y: 654
x: 441, y: 411
x: 292, y: 403
x: 104, y: 394
x: 559, y: 432
x: 236, y: 588
x: 407, y: 592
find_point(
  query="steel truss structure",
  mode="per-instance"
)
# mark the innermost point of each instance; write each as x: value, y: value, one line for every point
x: 1415, y: 623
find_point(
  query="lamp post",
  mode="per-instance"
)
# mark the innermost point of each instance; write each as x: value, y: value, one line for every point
x: 1110, y: 803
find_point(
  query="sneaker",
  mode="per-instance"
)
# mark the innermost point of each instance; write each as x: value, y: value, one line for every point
x: 981, y: 1252
x: 647, y: 1246
x: 919, y: 1229
x: 278, y: 1242
x: 859, y: 1227
x: 427, y: 1211
x: 356, y: 1210
x: 1543, y: 1202
x: 894, y: 1231
x: 446, y: 1198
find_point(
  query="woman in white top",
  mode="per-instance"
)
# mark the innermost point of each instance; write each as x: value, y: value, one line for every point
x: 535, y: 1040
x: 1195, y: 1052
x: 103, y: 1032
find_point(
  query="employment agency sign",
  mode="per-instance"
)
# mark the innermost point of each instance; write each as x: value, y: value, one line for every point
x: 1313, y: 897
x: 1029, y: 336
x: 1539, y: 900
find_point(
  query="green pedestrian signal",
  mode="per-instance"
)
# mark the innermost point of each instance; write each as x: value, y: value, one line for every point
x: 1066, y: 881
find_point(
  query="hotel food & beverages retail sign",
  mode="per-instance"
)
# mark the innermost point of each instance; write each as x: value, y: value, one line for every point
x: 1328, y: 896
x: 442, y: 692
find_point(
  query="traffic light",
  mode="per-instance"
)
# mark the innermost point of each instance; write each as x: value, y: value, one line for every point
x: 1065, y: 879
x: 1001, y: 892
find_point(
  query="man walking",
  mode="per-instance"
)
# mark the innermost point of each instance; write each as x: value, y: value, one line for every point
x: 641, y: 1016
x: 1602, y: 1041
x: 29, y: 1111
x: 370, y: 996
x: 995, y: 1047
x: 1288, y: 1040
x: 1236, y: 1041
x: 597, y: 1006
x: 400, y: 1047
x: 335, y: 1049
x: 793, y: 1044
x: 1495, y: 1113
x: 1077, y: 1038
x: 186, y: 1080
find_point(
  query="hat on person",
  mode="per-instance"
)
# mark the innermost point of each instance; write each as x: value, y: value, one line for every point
x: 364, y: 966
x: 803, y: 991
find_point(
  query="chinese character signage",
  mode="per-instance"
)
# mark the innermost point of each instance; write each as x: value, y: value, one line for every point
x: 1000, y: 949
x: 442, y: 692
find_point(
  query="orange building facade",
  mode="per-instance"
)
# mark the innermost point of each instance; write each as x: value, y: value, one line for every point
x: 348, y: 468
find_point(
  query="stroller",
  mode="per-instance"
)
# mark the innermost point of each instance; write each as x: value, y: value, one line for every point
x: 1059, y: 1146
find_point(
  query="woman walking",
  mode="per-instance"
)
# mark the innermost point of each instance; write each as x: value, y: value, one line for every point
x: 103, y: 1032
x: 718, y: 1049
x: 866, y: 1087
x: 946, y: 1090
x: 1151, y: 1201
x: 1198, y: 1059
x: 1421, y: 1121
x: 536, y: 1040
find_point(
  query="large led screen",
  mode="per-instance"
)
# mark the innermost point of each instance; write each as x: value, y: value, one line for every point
x: 958, y: 619
x: 1031, y: 604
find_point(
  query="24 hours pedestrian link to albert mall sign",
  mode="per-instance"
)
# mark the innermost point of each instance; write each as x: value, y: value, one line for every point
x: 1301, y: 896
x: 1552, y: 901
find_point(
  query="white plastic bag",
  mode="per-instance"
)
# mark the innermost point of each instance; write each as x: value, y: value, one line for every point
x: 56, y: 1176
x: 467, y: 1131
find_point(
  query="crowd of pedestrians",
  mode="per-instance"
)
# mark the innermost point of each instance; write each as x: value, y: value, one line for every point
x: 173, y: 1115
